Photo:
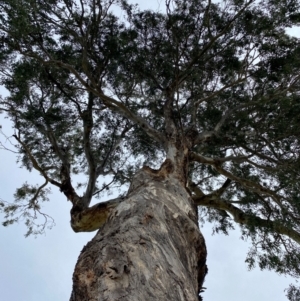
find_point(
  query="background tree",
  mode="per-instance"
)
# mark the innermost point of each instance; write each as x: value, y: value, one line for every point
x: 207, y: 93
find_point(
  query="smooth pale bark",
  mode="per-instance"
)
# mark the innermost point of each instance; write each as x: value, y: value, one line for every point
x: 150, y: 248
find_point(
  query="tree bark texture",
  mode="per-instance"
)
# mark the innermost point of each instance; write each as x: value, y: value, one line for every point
x: 150, y: 248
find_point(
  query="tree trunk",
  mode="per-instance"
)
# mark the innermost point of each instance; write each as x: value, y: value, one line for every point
x: 149, y: 249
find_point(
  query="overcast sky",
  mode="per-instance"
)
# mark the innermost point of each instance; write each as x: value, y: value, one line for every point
x: 41, y: 269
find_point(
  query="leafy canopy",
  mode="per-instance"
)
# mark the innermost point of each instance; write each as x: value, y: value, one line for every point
x: 99, y: 87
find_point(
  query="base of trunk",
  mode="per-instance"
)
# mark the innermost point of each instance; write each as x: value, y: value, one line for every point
x: 149, y: 249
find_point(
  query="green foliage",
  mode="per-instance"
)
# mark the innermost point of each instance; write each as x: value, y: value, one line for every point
x: 293, y: 293
x: 89, y: 92
x: 27, y: 208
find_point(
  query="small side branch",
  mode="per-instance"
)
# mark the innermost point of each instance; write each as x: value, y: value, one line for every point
x: 35, y: 163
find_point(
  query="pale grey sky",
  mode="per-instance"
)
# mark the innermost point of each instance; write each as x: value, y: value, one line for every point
x: 41, y: 269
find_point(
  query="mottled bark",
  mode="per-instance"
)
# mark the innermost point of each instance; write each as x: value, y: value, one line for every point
x: 150, y: 248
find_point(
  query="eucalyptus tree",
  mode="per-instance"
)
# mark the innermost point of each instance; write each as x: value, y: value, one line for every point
x: 193, y: 108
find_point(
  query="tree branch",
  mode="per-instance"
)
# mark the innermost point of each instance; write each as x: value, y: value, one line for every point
x: 120, y: 108
x: 87, y: 118
x: 244, y: 182
x: 212, y: 41
x: 239, y: 216
x: 35, y: 163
